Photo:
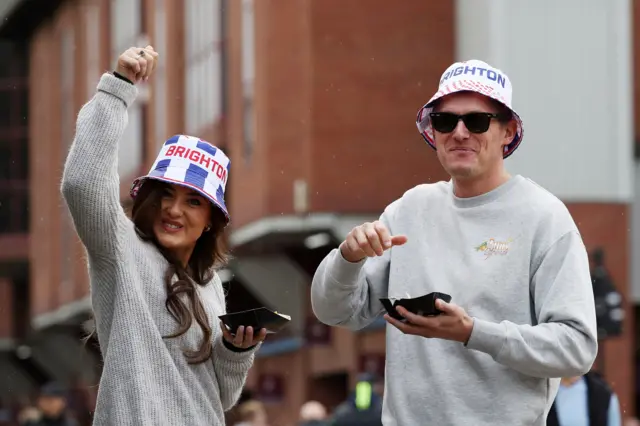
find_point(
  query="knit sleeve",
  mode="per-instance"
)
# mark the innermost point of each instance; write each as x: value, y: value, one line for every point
x: 564, y: 341
x: 90, y: 182
x: 231, y: 367
x: 347, y: 294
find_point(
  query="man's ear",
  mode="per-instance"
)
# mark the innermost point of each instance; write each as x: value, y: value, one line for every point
x: 510, y: 130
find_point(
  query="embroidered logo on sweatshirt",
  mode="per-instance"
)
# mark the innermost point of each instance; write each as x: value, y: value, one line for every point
x: 494, y: 247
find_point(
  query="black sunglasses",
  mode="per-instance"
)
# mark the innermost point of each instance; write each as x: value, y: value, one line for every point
x: 475, y: 122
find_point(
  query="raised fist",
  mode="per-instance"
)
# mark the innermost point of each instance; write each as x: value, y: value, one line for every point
x: 369, y: 240
x: 137, y: 63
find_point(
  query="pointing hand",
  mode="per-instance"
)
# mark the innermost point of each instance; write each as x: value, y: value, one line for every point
x: 368, y: 240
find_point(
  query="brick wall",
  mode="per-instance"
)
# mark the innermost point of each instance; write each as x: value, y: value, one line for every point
x: 607, y: 226
x: 338, y: 86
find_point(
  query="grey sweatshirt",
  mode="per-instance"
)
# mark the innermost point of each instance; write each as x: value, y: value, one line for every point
x: 514, y: 260
x: 146, y: 379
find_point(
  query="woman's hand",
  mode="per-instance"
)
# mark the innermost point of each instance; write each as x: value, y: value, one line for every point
x: 137, y: 63
x: 244, y: 338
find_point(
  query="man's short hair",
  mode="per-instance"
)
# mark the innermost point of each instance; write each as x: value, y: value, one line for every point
x: 312, y: 410
x: 250, y: 409
x: 53, y: 389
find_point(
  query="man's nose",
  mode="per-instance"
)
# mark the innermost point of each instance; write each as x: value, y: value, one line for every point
x: 460, y: 132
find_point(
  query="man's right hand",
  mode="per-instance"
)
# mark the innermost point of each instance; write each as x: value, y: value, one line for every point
x: 369, y: 240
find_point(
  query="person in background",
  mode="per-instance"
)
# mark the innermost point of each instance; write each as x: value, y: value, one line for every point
x: 252, y: 413
x: 5, y: 415
x: 52, y: 406
x: 363, y: 407
x: 24, y: 408
x: 585, y: 401
x: 80, y: 402
x: 28, y: 413
x: 313, y: 413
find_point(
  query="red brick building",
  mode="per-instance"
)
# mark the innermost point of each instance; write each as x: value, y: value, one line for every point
x: 313, y: 101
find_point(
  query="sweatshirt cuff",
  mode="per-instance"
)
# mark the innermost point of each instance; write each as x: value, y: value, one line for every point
x: 236, y: 354
x: 119, y: 88
x: 344, y: 272
x: 487, y: 337
x: 235, y: 348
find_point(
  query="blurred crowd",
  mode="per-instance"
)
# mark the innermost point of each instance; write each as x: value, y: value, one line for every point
x: 581, y: 401
x: 54, y: 405
x: 363, y: 407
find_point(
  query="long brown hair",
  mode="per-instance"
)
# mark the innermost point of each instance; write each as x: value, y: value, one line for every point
x: 209, y: 253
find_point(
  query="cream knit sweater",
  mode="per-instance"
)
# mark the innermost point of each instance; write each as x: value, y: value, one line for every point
x: 146, y: 379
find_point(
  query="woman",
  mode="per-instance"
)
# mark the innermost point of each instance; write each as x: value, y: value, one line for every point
x: 154, y: 290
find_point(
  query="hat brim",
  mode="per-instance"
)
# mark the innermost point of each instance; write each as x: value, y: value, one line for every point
x: 137, y: 184
x: 423, y: 122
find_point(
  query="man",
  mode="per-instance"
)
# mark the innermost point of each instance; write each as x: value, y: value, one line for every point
x: 363, y: 406
x: 313, y: 413
x: 585, y: 401
x: 506, y: 250
x: 252, y: 413
x: 52, y: 404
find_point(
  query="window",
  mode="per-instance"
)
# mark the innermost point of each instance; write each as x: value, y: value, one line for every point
x: 248, y: 76
x: 204, y: 66
x: 125, y: 25
x: 6, y: 218
x: 6, y: 51
x: 67, y: 109
x: 6, y: 106
x: 93, y: 45
x: 6, y: 161
x: 126, y: 29
x: 14, y: 206
x: 160, y: 77
x: 14, y: 148
x: 224, y: 80
x: 67, y: 80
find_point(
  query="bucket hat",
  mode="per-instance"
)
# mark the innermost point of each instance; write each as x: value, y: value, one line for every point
x: 193, y: 163
x: 475, y: 76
